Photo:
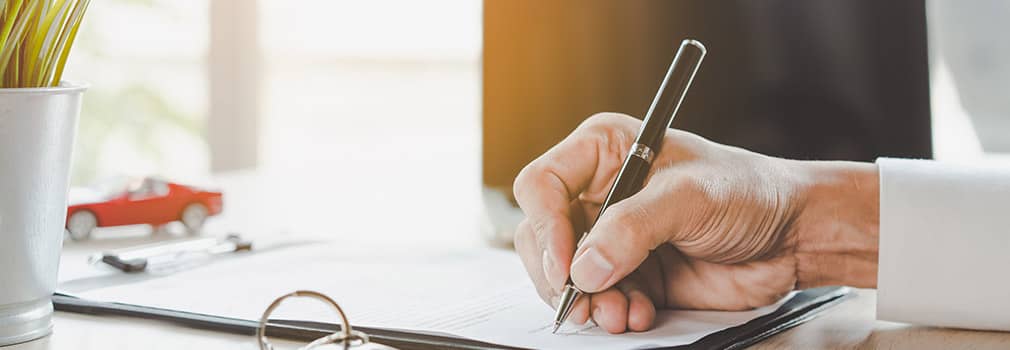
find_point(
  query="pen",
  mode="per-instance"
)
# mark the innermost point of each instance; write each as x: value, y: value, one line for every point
x: 650, y: 137
x: 169, y: 254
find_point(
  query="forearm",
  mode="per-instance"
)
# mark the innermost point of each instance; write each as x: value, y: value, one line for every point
x: 837, y: 232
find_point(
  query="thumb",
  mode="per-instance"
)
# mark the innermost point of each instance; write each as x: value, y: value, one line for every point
x: 622, y: 239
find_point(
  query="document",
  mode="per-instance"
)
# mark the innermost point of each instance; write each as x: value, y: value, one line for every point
x: 480, y: 294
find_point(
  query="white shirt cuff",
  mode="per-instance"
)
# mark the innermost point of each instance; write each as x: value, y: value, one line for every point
x: 944, y: 256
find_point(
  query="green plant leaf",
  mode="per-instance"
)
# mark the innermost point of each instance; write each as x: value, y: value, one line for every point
x: 35, y: 40
x: 67, y: 40
x: 21, y: 16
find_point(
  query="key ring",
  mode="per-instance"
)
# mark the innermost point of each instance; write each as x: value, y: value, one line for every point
x: 346, y: 336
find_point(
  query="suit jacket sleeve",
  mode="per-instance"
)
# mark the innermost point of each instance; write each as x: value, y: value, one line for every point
x: 944, y: 256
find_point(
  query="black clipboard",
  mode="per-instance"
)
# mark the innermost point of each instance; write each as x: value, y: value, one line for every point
x: 803, y: 306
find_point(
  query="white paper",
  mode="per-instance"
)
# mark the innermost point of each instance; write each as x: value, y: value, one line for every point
x: 483, y: 295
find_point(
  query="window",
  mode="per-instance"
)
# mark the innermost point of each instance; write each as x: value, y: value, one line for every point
x: 374, y: 107
x: 146, y: 108
x: 970, y: 78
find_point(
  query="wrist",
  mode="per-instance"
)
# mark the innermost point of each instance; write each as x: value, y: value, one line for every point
x: 838, y: 228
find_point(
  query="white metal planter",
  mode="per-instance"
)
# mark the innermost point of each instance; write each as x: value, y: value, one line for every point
x: 37, y: 128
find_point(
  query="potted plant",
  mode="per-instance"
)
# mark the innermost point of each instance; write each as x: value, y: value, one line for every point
x: 38, y: 120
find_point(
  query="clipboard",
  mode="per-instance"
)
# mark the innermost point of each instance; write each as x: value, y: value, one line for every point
x: 802, y: 307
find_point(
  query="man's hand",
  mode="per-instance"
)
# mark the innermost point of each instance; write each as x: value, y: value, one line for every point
x: 715, y: 227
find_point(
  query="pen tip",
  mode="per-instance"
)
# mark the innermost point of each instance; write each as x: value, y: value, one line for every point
x: 568, y: 297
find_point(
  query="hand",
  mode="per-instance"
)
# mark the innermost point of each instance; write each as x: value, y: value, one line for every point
x: 715, y: 227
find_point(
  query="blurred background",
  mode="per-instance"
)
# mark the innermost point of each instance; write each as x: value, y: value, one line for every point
x: 406, y: 121
x: 343, y: 118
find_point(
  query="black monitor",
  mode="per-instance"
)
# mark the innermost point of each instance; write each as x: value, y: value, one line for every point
x: 822, y: 79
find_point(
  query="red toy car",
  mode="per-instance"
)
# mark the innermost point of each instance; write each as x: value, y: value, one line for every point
x: 148, y: 200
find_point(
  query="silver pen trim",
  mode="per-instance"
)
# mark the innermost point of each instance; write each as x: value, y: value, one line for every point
x: 565, y: 305
x: 642, y: 151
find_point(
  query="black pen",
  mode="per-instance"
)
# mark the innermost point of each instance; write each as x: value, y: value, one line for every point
x: 650, y: 138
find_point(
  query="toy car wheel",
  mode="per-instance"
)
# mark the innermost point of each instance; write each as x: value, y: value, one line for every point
x: 193, y: 217
x: 81, y: 224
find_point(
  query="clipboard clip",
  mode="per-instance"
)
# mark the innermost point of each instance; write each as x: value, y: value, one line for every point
x: 346, y: 336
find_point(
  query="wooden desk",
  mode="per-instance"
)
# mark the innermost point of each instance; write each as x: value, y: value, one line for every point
x: 849, y: 325
x: 852, y: 324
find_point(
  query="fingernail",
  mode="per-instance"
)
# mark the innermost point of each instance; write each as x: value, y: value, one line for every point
x: 555, y: 301
x: 551, y: 272
x: 591, y: 270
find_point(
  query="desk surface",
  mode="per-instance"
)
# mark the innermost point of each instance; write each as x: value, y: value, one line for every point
x: 849, y: 325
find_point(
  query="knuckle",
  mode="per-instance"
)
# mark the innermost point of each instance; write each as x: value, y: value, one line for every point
x: 531, y: 183
x: 690, y: 185
x: 604, y: 120
x: 522, y: 180
x: 682, y: 137
x: 610, y: 133
x: 540, y: 229
x: 684, y: 146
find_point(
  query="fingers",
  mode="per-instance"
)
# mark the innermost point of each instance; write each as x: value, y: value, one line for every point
x: 610, y: 310
x: 537, y: 247
x: 623, y: 238
x: 583, y: 166
x: 580, y: 311
x: 623, y: 308
x: 641, y: 309
x: 528, y: 251
x: 525, y: 244
x: 584, y: 161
